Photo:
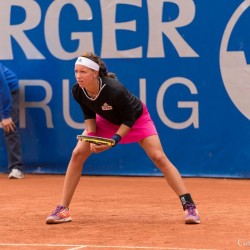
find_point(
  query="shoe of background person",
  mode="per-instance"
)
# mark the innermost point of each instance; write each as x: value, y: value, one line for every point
x: 191, y: 214
x: 59, y: 215
x: 16, y: 174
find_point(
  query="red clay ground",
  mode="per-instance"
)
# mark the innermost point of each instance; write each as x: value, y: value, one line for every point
x: 123, y: 213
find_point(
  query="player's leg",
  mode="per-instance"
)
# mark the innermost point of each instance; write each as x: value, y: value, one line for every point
x: 74, y: 171
x: 153, y: 148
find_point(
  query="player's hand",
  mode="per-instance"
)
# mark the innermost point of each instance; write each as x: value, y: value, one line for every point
x: 98, y: 148
x: 8, y: 125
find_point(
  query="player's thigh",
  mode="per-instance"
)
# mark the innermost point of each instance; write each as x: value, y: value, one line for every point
x: 152, y: 146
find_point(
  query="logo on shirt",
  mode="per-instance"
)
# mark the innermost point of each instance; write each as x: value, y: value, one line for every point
x: 105, y: 106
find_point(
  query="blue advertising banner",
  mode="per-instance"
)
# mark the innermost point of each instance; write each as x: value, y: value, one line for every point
x: 189, y: 61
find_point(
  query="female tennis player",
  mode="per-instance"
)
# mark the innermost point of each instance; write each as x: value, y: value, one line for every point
x: 111, y: 111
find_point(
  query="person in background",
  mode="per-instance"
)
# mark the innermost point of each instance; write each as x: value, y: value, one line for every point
x: 111, y: 111
x: 9, y: 119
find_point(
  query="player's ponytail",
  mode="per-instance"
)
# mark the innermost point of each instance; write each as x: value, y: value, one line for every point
x: 103, y: 70
x: 112, y: 75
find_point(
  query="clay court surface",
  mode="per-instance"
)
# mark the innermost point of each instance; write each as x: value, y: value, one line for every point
x: 123, y: 213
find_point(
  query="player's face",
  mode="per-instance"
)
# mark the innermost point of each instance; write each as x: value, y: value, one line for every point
x: 84, y: 75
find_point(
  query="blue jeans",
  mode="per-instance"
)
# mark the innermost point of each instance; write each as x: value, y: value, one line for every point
x: 12, y: 139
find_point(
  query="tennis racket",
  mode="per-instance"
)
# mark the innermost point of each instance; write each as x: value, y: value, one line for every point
x: 96, y: 140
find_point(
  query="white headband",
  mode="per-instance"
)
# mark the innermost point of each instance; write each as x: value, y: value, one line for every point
x: 88, y: 63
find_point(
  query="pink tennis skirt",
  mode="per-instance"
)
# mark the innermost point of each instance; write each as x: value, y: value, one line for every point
x: 142, y: 128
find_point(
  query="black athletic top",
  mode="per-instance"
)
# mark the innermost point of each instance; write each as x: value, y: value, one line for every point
x: 114, y: 103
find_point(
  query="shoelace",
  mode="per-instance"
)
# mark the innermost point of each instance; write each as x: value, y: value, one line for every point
x: 58, y: 209
x: 191, y: 208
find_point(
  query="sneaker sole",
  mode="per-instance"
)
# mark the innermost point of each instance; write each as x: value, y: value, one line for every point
x: 51, y: 221
x: 14, y: 177
x: 191, y: 221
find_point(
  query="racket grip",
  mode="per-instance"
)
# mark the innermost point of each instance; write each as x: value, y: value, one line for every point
x: 116, y: 138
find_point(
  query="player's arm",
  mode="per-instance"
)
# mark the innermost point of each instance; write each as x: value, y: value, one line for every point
x: 90, y: 129
x: 123, y: 130
x: 90, y: 126
x: 126, y: 106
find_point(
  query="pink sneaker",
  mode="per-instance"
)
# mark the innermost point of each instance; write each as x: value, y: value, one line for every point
x: 59, y: 215
x: 191, y: 214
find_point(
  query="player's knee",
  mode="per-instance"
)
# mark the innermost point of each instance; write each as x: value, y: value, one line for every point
x: 158, y: 158
x: 76, y: 153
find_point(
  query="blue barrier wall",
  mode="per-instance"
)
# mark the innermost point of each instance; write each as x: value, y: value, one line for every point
x: 187, y: 60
